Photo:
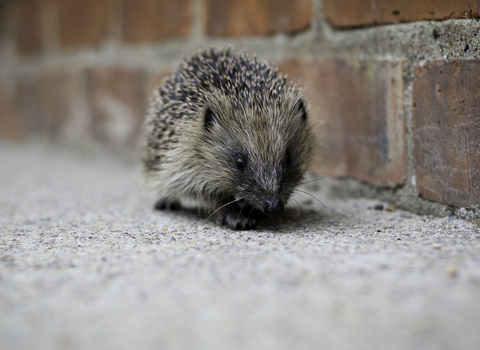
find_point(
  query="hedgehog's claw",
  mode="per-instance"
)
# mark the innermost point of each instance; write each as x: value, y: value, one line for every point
x: 237, y: 222
x: 234, y: 218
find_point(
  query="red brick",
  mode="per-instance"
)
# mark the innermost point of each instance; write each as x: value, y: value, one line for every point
x: 7, y: 37
x: 28, y: 26
x: 76, y: 126
x: 446, y: 130
x: 117, y: 102
x: 10, y: 127
x: 42, y: 105
x: 358, y: 109
x: 29, y: 106
x: 84, y: 22
x: 50, y: 24
x: 354, y: 13
x: 55, y: 101
x: 153, y: 20
x: 256, y: 17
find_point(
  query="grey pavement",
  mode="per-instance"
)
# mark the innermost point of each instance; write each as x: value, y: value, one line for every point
x: 85, y: 263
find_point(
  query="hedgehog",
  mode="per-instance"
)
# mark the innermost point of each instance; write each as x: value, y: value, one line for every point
x: 227, y: 132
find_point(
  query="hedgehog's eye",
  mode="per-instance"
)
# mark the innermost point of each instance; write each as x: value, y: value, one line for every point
x: 288, y: 159
x: 241, y: 161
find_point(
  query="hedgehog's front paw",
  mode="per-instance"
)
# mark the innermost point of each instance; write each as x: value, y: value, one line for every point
x: 233, y: 217
x: 164, y: 204
x: 236, y: 221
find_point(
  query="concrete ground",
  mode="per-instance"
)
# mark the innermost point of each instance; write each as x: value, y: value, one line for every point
x: 85, y: 263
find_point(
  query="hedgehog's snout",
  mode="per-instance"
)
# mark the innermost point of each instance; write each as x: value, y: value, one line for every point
x: 273, y: 206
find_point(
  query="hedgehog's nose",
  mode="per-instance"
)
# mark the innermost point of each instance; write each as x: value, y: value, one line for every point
x: 273, y: 206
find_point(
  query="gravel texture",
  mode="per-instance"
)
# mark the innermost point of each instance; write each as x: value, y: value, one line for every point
x: 85, y: 263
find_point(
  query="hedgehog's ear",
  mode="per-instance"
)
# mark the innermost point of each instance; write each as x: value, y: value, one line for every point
x: 210, y: 119
x: 299, y: 107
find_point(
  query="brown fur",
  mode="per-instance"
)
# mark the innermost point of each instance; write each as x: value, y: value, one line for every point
x: 254, y: 114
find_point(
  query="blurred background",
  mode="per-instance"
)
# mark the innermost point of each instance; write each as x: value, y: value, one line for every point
x: 81, y: 71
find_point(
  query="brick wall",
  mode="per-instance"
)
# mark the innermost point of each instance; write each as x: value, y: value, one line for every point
x: 395, y: 84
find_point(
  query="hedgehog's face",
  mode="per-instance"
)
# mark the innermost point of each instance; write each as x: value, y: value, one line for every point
x: 263, y: 153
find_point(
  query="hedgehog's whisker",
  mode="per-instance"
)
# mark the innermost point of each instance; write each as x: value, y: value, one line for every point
x: 306, y: 198
x: 250, y: 212
x: 221, y: 199
x: 218, y: 200
x: 298, y: 205
x: 235, y: 200
x: 240, y: 212
x: 331, y: 211
x: 313, y: 180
